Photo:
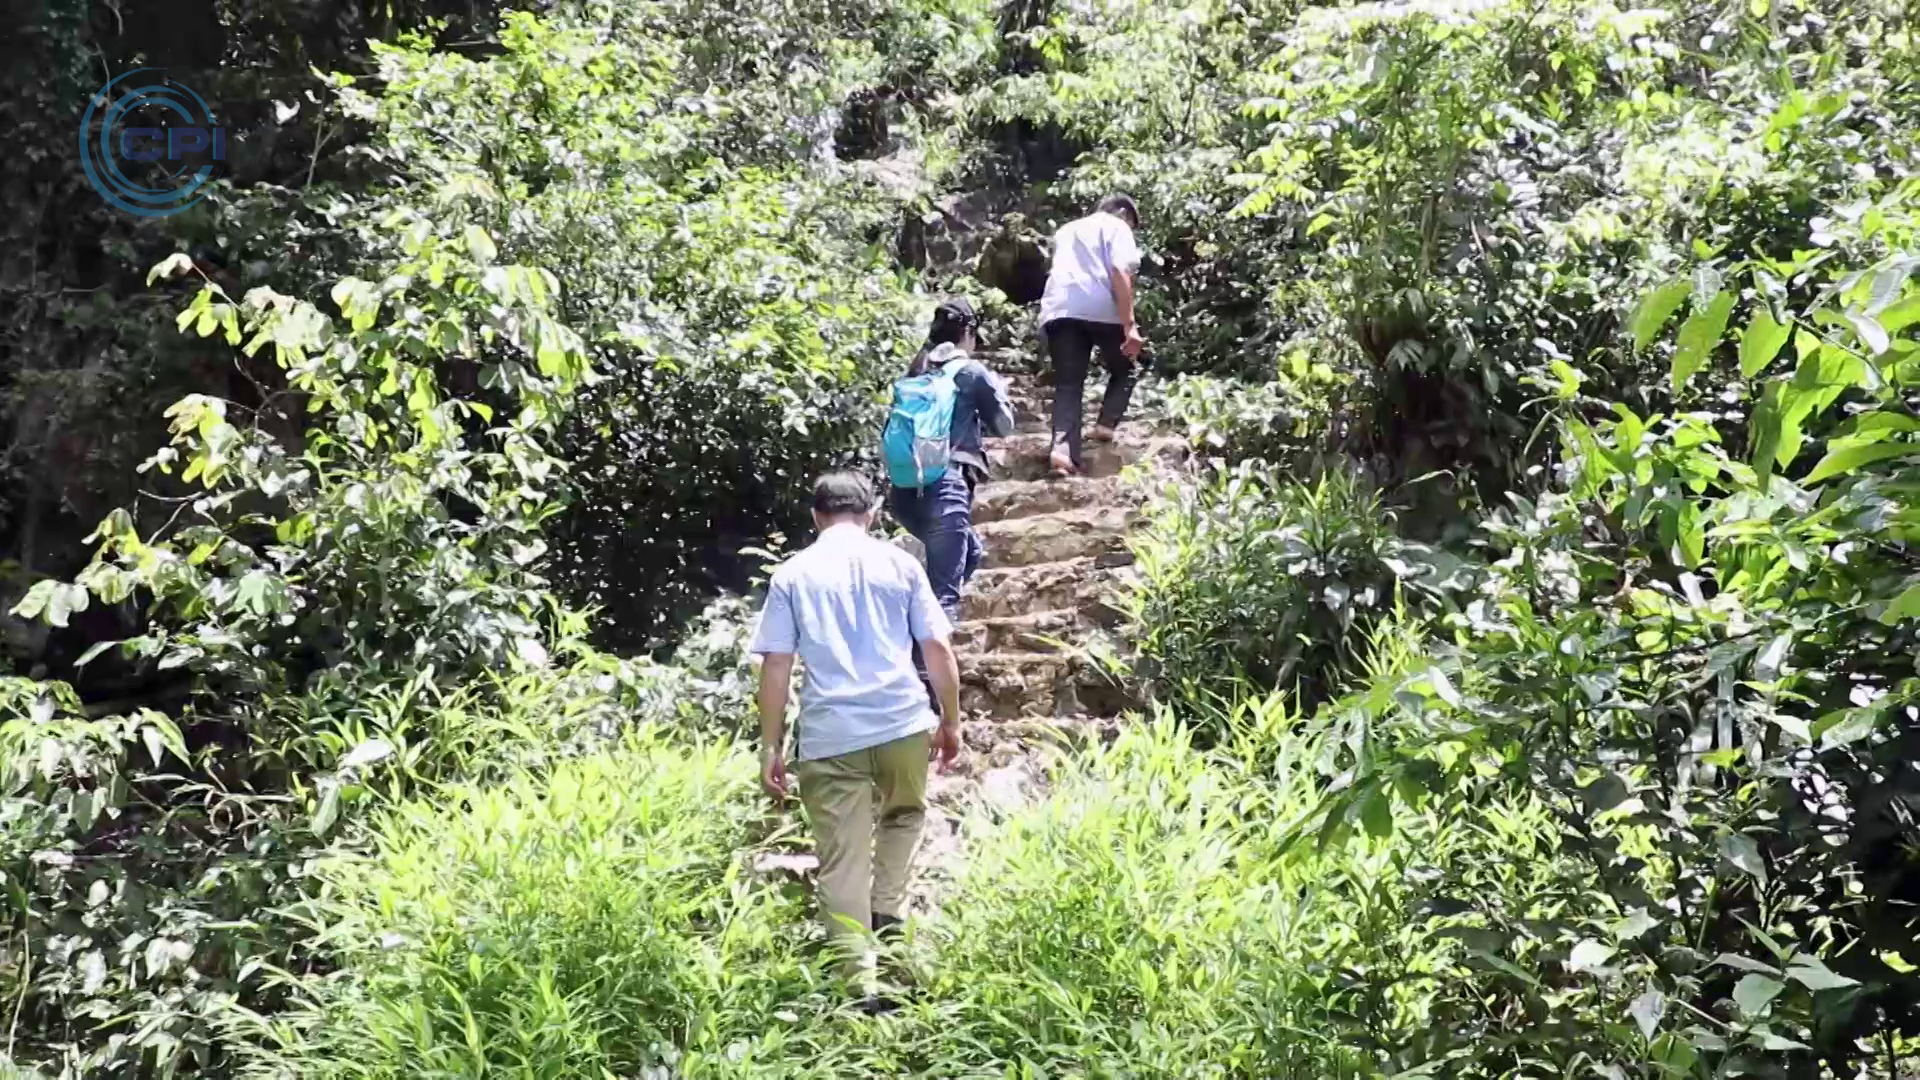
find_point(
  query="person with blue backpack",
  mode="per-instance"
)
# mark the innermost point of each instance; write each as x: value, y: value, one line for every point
x: 942, y: 409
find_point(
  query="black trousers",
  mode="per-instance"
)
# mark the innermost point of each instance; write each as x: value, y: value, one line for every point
x: 1070, y: 345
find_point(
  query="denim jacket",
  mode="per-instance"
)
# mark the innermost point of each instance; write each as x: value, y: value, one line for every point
x: 980, y: 407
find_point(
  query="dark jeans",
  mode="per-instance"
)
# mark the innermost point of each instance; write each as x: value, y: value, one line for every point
x: 1070, y: 344
x: 940, y: 516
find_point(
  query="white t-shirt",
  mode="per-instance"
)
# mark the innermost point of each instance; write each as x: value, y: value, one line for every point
x: 1085, y: 255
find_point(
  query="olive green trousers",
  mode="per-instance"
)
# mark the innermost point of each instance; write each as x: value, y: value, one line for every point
x: 866, y: 809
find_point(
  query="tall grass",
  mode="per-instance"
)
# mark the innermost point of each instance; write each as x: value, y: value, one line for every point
x: 1143, y: 920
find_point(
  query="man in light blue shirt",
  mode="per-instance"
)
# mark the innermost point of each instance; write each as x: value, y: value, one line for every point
x: 850, y: 608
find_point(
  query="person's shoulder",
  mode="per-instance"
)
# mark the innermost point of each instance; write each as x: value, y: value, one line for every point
x: 794, y: 567
x: 783, y: 575
x: 890, y: 554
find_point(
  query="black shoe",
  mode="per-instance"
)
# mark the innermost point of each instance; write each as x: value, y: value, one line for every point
x: 888, y: 929
x: 878, y: 1005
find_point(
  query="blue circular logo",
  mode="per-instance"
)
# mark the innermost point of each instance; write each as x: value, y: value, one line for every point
x: 156, y: 124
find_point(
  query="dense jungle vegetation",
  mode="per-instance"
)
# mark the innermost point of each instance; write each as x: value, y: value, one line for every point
x: 1534, y: 650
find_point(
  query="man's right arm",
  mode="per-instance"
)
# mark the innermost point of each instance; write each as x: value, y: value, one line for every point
x: 776, y: 639
x: 1123, y: 269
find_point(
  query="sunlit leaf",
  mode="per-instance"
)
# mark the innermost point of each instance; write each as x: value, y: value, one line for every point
x: 1647, y: 1011
x: 1809, y: 972
x: 1589, y: 955
x: 1849, y: 458
x: 1655, y: 308
x: 1754, y: 992
x: 1762, y: 341
x: 1698, y: 337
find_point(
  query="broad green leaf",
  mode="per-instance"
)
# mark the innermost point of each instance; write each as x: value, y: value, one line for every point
x: 1754, y: 992
x: 328, y: 811
x: 1765, y: 429
x: 1904, y: 606
x: 52, y: 601
x: 1647, y: 1011
x: 35, y: 602
x: 177, y: 263
x: 93, y: 652
x: 1634, y: 925
x: 1848, y: 458
x: 1809, y: 972
x: 1674, y: 1053
x: 1888, y: 285
x: 1745, y: 963
x: 1762, y: 341
x: 481, y: 245
x: 1698, y: 337
x: 1872, y: 334
x: 156, y: 743
x: 1605, y: 793
x: 1900, y: 316
x: 1589, y: 955
x: 1692, y: 536
x: 1654, y: 309
x: 252, y: 593
x: 1376, y: 813
x: 1744, y: 854
x: 1846, y: 726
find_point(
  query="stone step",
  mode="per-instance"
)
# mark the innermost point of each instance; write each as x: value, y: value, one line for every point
x: 1077, y: 584
x: 1007, y: 685
x: 1090, y: 532
x: 1040, y: 631
x: 1000, y: 500
x: 1025, y: 457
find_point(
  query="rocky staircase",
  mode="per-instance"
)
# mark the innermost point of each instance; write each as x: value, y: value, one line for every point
x: 1039, y: 616
x: 1037, y: 620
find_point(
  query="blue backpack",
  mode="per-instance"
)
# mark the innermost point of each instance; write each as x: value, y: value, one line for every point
x: 917, y: 441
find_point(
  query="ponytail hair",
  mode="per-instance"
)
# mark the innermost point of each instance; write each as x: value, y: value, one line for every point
x: 952, y: 320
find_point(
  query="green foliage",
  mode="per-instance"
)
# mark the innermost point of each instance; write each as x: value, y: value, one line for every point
x: 597, y: 919
x: 603, y: 919
x: 741, y: 319
x: 1700, y: 665
x: 1282, y: 420
x: 1250, y: 577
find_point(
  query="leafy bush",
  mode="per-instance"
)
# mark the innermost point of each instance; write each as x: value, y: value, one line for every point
x: 1284, y: 420
x: 1700, y: 663
x: 1249, y: 577
x: 741, y: 319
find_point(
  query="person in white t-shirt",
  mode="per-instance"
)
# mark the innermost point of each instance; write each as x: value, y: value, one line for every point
x: 1088, y: 304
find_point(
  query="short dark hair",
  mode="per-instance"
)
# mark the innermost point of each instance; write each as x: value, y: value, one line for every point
x: 1119, y: 204
x: 842, y: 494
